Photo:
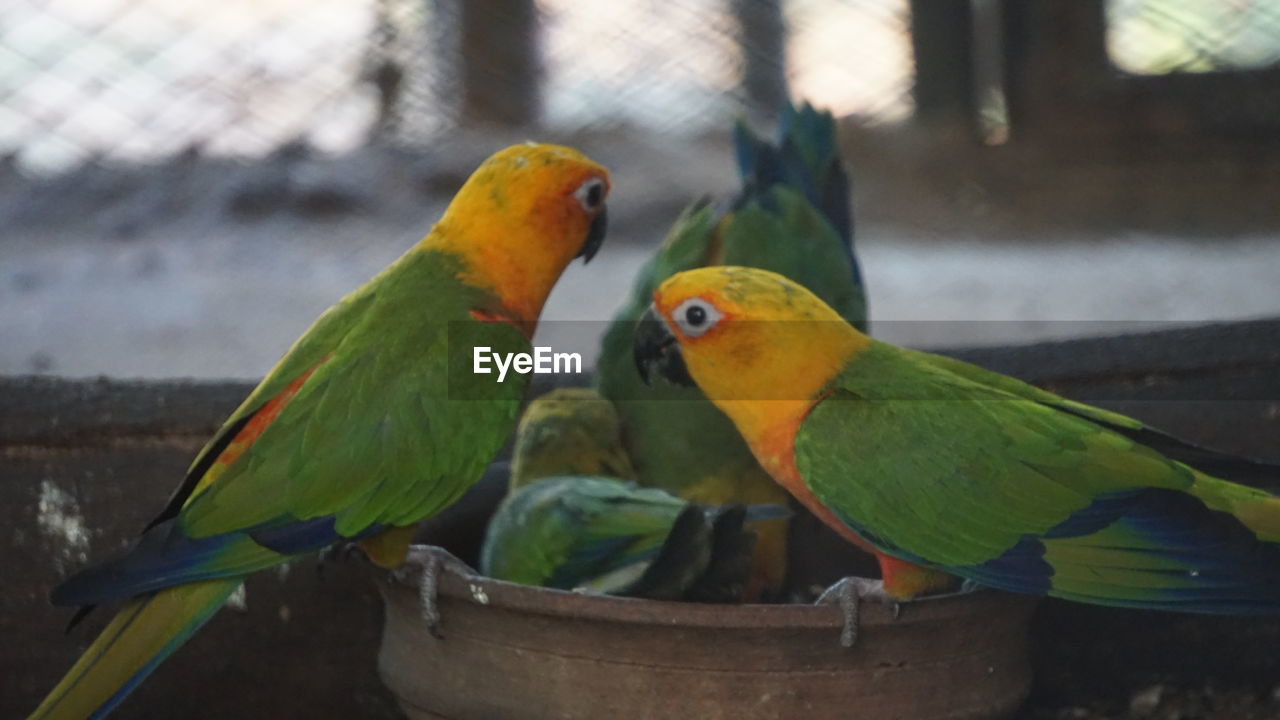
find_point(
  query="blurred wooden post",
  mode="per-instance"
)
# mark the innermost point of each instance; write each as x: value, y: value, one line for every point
x: 1060, y: 76
x: 499, y: 57
x: 762, y: 38
x: 941, y: 40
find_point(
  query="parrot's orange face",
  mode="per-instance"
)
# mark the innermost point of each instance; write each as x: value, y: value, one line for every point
x: 760, y: 347
x: 743, y: 334
x: 521, y: 218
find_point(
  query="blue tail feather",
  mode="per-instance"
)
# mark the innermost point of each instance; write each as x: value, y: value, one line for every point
x: 166, y: 556
x: 1150, y: 548
x: 805, y: 158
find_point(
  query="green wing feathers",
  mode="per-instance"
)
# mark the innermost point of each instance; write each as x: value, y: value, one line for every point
x: 1015, y: 488
x: 337, y: 442
x: 567, y: 532
x: 607, y: 536
x: 571, y: 521
x: 330, y: 450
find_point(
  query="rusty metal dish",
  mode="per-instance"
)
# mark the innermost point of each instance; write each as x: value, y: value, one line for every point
x: 510, y: 651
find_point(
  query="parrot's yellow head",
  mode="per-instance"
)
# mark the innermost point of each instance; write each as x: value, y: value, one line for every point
x: 569, y: 431
x: 520, y: 219
x: 752, y: 340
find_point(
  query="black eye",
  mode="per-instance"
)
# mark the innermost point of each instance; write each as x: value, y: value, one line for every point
x: 595, y: 195
x: 695, y: 315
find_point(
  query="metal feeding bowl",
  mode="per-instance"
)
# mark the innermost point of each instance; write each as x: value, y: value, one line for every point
x: 511, y: 651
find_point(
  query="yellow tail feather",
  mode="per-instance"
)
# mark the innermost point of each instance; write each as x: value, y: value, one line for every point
x: 1255, y: 509
x: 143, y: 633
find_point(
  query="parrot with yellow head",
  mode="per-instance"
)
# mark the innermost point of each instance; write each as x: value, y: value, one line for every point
x: 371, y: 422
x: 945, y: 470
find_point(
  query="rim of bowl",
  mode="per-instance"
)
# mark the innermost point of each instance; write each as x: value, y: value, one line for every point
x: 500, y: 594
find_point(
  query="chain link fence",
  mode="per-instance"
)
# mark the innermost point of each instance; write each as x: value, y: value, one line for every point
x: 1156, y: 37
x: 104, y: 80
x: 142, y: 79
x: 109, y: 80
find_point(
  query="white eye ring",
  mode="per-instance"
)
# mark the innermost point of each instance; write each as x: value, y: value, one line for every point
x: 590, y: 194
x: 695, y: 316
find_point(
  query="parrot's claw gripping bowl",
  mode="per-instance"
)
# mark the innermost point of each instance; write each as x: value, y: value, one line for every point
x: 511, y: 651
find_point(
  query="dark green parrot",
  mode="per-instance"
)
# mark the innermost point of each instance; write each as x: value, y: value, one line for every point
x: 792, y: 216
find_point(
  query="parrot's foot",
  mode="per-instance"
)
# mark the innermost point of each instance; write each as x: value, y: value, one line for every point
x: 432, y: 560
x: 849, y: 593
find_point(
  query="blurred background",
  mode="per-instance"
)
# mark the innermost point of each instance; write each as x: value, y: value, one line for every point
x: 185, y: 185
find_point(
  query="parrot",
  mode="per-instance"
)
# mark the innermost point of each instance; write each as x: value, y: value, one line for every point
x: 791, y: 215
x: 944, y: 470
x: 371, y: 421
x: 573, y: 519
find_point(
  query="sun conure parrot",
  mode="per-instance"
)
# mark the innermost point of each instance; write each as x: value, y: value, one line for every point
x: 573, y: 521
x: 792, y: 215
x: 941, y: 468
x: 371, y: 422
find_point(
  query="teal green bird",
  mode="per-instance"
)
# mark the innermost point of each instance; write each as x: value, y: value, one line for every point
x: 941, y: 468
x: 792, y: 216
x: 572, y: 521
x: 366, y: 426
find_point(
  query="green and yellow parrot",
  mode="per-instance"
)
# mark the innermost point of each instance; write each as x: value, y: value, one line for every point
x: 573, y: 521
x: 371, y: 422
x: 569, y: 431
x: 942, y: 469
x: 791, y: 216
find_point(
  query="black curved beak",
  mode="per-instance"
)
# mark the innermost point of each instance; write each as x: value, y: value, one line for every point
x: 595, y: 236
x: 654, y: 346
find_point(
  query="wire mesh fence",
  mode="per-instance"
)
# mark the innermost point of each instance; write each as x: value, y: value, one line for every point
x: 83, y: 79
x: 143, y: 79
x: 106, y: 80
x: 1153, y: 37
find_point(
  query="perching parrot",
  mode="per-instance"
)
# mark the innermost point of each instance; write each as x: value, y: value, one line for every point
x: 791, y: 215
x: 573, y: 521
x: 941, y: 468
x: 371, y: 422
